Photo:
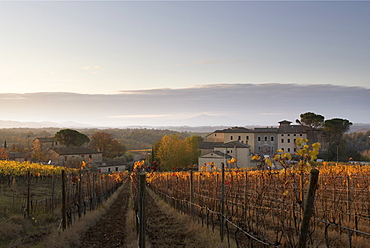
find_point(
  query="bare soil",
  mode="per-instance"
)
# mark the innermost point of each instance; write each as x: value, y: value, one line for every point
x: 110, y: 230
x: 164, y: 228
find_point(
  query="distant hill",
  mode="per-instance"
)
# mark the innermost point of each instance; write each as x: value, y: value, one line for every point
x: 41, y: 124
x: 356, y: 127
x: 359, y: 127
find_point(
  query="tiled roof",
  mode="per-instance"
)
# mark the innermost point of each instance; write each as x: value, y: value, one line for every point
x: 285, y: 122
x: 221, y: 154
x: 14, y: 155
x: 235, y: 130
x: 46, y: 139
x: 293, y: 129
x: 233, y: 144
x: 208, y: 145
x: 73, y: 150
x: 266, y: 130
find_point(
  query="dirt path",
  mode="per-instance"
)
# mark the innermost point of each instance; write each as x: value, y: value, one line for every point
x: 110, y: 230
x: 165, y: 227
x: 163, y: 230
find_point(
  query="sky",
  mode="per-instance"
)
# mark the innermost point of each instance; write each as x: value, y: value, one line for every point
x: 120, y: 63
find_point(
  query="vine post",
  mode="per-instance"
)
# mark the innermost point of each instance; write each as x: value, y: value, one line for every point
x: 349, y: 211
x: 222, y: 220
x: 28, y: 193
x: 308, y: 208
x: 53, y: 192
x: 142, y: 182
x: 80, y: 193
x: 64, y: 216
x: 191, y: 193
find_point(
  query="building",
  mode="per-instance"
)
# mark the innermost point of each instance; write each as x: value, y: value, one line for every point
x: 265, y: 141
x: 17, y: 156
x: 40, y: 148
x: 287, y: 135
x: 240, y: 134
x: 223, y: 152
x: 44, y: 143
x: 112, y: 166
x: 73, y: 156
x: 213, y: 160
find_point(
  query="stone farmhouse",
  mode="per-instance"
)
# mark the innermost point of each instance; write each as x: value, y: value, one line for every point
x: 47, y: 148
x: 73, y: 156
x: 262, y: 141
x: 17, y: 156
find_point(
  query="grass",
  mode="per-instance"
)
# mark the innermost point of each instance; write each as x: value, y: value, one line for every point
x: 70, y: 238
x: 15, y: 228
x: 201, y: 236
x: 41, y: 229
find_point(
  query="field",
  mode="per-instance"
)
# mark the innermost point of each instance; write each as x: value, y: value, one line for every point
x: 266, y: 207
x: 259, y: 208
x: 36, y: 198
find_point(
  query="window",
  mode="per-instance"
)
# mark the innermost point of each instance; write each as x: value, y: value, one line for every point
x: 90, y: 156
x: 288, y: 134
x: 82, y: 155
x: 282, y: 149
x: 215, y: 134
x: 295, y: 149
x: 239, y: 137
x: 288, y: 149
x: 288, y: 140
x: 259, y: 138
x: 116, y: 168
x: 282, y: 140
x: 231, y: 137
x: 300, y: 134
x: 247, y: 137
x: 108, y: 169
x: 294, y: 134
x: 65, y: 158
x: 282, y: 134
x: 265, y: 138
x: 272, y: 138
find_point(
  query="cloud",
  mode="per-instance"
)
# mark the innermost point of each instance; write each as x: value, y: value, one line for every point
x: 92, y: 67
x: 232, y: 104
x: 202, y: 62
x: 138, y: 116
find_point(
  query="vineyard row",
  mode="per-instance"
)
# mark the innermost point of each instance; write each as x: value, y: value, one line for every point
x: 269, y: 205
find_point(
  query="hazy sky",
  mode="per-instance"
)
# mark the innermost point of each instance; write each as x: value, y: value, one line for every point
x: 105, y: 48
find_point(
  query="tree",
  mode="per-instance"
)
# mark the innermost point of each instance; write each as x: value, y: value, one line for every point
x: 3, y: 154
x: 192, y: 149
x: 311, y: 120
x: 172, y: 151
x: 103, y: 142
x: 357, y: 146
x: 69, y: 137
x: 334, y: 130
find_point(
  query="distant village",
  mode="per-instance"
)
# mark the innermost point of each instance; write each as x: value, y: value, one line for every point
x: 67, y: 156
x: 238, y: 144
x: 241, y: 143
